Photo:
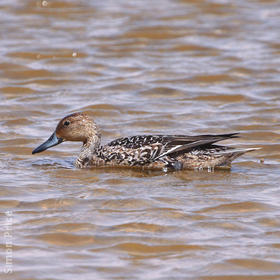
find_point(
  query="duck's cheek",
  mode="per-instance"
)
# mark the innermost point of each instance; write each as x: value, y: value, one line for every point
x: 74, y: 136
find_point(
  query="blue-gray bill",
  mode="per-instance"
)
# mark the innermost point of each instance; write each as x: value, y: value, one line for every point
x: 52, y: 141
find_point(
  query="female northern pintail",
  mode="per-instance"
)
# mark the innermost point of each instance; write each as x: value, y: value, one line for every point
x: 146, y: 151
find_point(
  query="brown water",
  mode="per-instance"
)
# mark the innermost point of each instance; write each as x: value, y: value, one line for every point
x: 162, y: 66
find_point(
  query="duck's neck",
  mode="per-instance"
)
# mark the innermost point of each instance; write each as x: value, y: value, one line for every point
x: 90, y: 145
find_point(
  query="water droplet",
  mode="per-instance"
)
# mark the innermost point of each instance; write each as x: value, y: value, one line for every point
x: 45, y: 3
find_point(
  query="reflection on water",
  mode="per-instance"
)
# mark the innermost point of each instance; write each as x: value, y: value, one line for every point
x: 176, y: 67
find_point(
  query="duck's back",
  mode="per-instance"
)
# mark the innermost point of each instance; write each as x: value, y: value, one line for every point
x: 165, y: 151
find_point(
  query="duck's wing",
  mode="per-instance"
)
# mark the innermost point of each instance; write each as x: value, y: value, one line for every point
x: 182, y: 144
x: 139, y: 141
x: 153, y: 147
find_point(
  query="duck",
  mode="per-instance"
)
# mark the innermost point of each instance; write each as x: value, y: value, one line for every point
x: 155, y: 152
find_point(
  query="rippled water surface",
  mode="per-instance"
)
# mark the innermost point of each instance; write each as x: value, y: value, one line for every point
x: 138, y: 67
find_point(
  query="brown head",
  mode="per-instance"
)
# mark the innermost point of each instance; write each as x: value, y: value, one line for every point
x: 75, y: 127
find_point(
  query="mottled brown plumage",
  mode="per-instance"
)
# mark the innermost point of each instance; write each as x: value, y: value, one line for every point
x: 164, y: 152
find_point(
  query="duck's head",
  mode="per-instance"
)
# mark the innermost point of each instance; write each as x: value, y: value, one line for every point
x: 75, y: 127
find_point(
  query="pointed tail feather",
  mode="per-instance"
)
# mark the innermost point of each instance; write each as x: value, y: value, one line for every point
x: 234, y: 153
x: 239, y: 151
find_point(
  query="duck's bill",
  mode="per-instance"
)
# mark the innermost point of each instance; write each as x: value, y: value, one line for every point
x: 52, y: 141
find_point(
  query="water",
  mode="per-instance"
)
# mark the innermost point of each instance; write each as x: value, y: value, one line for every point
x: 138, y: 67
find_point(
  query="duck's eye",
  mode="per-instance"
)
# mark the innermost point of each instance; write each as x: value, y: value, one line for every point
x: 66, y: 123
